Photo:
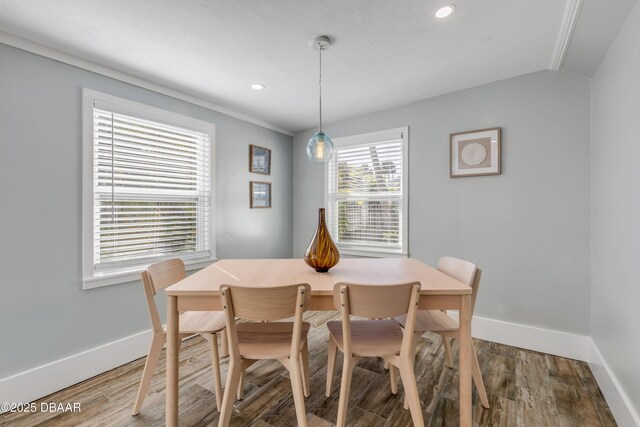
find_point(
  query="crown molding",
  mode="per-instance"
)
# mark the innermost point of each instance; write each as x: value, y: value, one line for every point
x: 65, y: 58
x: 568, y: 24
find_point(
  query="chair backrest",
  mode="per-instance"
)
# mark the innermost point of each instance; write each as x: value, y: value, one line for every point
x: 474, y: 289
x: 374, y: 301
x: 377, y: 302
x: 166, y: 273
x: 156, y: 277
x: 463, y: 271
x: 265, y: 304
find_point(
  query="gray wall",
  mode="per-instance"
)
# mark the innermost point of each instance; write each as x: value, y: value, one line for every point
x: 527, y: 228
x: 44, y: 313
x: 615, y: 208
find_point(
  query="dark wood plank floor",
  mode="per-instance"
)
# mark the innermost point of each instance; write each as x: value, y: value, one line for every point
x: 525, y: 388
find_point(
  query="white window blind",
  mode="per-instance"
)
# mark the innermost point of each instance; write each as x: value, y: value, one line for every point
x: 366, y: 194
x: 151, y: 191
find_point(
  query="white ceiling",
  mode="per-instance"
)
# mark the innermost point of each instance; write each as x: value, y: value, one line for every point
x: 386, y: 53
x: 598, y: 25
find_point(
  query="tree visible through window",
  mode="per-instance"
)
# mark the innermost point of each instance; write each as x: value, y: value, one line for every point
x: 366, y: 192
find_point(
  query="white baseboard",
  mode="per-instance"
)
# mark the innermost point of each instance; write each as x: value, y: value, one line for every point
x: 36, y: 383
x: 619, y: 403
x: 43, y: 380
x: 572, y: 346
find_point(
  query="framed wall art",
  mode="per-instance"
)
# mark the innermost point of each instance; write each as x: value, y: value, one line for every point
x: 475, y: 153
x: 259, y: 160
x: 259, y: 194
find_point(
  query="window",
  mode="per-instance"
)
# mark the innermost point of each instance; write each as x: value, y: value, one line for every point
x: 367, y: 193
x: 147, y: 189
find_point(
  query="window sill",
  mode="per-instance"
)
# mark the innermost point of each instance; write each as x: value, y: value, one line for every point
x: 133, y: 274
x: 372, y: 253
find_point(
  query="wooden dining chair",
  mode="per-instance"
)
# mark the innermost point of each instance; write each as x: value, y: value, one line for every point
x: 374, y: 338
x: 206, y: 323
x: 261, y: 338
x: 442, y: 324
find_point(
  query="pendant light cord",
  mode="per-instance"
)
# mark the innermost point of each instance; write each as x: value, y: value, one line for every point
x: 320, y: 84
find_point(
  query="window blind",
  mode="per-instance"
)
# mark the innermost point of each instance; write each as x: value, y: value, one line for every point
x: 365, y: 195
x: 152, y: 190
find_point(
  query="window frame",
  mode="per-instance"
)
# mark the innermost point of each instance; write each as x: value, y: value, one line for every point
x: 368, y: 138
x: 90, y: 278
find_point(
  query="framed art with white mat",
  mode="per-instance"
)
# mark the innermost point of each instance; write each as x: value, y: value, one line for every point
x: 475, y: 153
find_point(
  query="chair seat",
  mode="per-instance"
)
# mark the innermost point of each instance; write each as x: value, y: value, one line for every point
x: 267, y: 340
x: 432, y: 321
x: 197, y: 322
x: 370, y: 338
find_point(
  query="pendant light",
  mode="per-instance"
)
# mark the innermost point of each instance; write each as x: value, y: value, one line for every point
x: 320, y: 146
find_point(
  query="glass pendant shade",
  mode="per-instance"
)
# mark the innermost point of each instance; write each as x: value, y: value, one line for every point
x: 320, y: 148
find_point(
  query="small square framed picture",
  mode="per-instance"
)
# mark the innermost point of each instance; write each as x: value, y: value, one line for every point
x: 475, y: 153
x: 260, y: 194
x: 259, y: 160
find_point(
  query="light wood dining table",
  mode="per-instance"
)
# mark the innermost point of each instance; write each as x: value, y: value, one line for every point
x: 200, y: 292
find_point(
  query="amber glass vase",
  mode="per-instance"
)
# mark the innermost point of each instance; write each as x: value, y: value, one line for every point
x: 322, y: 253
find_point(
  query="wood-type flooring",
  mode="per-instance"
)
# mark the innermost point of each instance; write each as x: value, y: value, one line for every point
x: 525, y: 388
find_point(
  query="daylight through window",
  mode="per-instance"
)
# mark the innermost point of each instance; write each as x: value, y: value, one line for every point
x: 367, y: 192
x: 151, y: 191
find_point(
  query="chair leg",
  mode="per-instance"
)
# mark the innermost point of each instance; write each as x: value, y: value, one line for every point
x: 345, y: 386
x: 411, y: 391
x: 477, y: 378
x: 224, y: 344
x: 415, y: 352
x: 240, y: 392
x: 331, y: 364
x: 393, y: 377
x: 215, y: 363
x: 447, y: 350
x: 233, y: 380
x: 304, y: 366
x: 416, y: 338
x: 295, y: 373
x: 149, y: 367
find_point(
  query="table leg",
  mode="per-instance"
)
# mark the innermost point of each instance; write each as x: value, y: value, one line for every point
x: 172, y: 361
x: 466, y: 415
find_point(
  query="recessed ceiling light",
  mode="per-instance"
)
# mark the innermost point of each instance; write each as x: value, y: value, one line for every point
x: 257, y: 86
x: 444, y: 11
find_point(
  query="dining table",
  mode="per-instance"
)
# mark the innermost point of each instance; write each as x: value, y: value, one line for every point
x: 201, y: 292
